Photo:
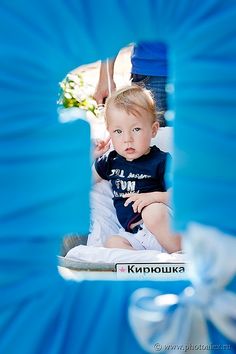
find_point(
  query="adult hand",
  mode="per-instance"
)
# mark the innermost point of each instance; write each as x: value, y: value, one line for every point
x: 102, y: 92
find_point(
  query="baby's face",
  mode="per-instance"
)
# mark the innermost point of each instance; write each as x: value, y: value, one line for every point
x: 130, y: 134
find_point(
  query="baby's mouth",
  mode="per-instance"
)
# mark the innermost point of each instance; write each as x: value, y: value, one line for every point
x: 130, y: 150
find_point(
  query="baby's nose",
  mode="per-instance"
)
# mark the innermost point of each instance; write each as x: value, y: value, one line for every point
x: 128, y: 137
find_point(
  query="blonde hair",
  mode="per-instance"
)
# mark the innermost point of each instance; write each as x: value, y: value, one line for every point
x: 132, y: 99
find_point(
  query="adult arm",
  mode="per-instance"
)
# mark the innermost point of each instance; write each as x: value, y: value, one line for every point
x: 106, y: 81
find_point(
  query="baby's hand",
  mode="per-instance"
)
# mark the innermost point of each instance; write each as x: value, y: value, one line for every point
x: 101, y: 147
x: 140, y: 200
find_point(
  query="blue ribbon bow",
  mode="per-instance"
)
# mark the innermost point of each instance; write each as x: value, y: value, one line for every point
x: 178, y: 324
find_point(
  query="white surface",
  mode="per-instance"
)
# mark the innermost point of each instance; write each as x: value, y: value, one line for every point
x: 115, y: 255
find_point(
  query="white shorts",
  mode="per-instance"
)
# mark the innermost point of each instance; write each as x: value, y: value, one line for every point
x: 142, y: 240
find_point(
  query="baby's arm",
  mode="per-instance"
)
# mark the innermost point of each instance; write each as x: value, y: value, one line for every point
x: 141, y: 200
x: 101, y: 147
x: 96, y: 177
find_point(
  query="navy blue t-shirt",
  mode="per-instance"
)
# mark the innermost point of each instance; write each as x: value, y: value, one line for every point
x: 142, y: 175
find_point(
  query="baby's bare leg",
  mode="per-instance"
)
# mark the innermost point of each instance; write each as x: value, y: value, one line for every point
x: 118, y: 242
x: 156, y: 218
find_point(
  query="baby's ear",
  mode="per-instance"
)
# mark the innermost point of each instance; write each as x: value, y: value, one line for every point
x: 155, y: 127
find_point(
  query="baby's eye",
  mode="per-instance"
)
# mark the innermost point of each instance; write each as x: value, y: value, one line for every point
x: 137, y: 129
x: 118, y: 131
